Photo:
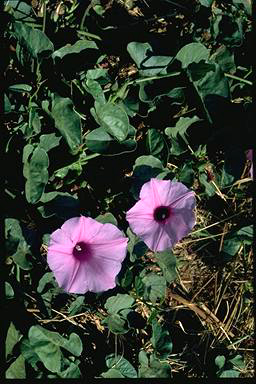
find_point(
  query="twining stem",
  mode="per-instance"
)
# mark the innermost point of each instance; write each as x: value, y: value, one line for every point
x: 137, y: 81
x: 86, y: 13
x: 89, y: 157
x: 92, y: 35
x: 44, y: 16
x: 238, y: 78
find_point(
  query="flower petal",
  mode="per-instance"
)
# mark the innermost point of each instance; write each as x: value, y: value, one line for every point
x: 141, y: 210
x: 179, y: 224
x: 151, y: 232
x: 72, y: 228
x: 100, y: 274
x: 149, y: 192
x: 186, y: 201
x: 96, y: 272
x: 63, y: 267
x: 110, y: 244
x: 59, y: 237
x: 162, y: 192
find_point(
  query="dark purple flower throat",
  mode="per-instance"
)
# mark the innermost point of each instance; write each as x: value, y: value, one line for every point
x: 162, y: 213
x: 81, y: 251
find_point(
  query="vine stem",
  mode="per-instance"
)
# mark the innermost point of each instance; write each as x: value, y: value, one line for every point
x: 137, y: 81
x: 238, y: 78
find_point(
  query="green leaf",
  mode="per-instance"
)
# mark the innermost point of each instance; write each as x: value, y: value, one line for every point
x: 114, y: 304
x: 160, y: 340
x: 153, y: 91
x: 230, y: 247
x: 186, y: 175
x: 94, y: 88
x: 99, y: 141
x: 76, y: 305
x: 34, y: 40
x: 9, y: 292
x: 71, y: 171
x: 97, y: 74
x: 21, y: 10
x: 116, y: 324
x: 155, y: 143
x: 72, y: 372
x: 235, y: 36
x: 181, y: 127
x: 209, y: 187
x: 67, y: 122
x: 246, y: 4
x: 35, y: 170
x: 20, y: 256
x: 212, y: 82
x: 225, y: 58
x: 7, y: 104
x: 107, y: 218
x: 46, y: 345
x: 126, y: 279
x: 238, y: 361
x: 112, y: 373
x: 230, y: 373
x: 122, y: 365
x: 113, y: 119
x: 192, y: 53
x: 144, y: 169
x: 167, y: 262
x: 16, y: 369
x: 28, y: 353
x: 153, y: 368
x: 76, y: 48
x: 197, y: 71
x: 63, y: 205
x: 47, y: 278
x: 49, y: 141
x: 22, y: 88
x: 245, y: 234
x: 12, y: 338
x: 147, y: 63
x: 34, y: 125
x: 154, y: 287
x: 220, y: 361
x: 16, y: 245
x: 206, y: 3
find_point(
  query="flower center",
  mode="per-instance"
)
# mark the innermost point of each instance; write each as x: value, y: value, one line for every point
x: 162, y: 213
x: 81, y: 251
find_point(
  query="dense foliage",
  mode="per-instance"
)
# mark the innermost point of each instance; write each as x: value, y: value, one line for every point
x: 100, y: 97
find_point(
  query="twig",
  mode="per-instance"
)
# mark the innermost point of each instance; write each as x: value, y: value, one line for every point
x: 218, y: 222
x: 202, y: 311
x: 63, y: 319
x: 200, y: 290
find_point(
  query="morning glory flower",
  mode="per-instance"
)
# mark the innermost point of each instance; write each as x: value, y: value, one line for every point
x: 164, y: 214
x: 86, y: 255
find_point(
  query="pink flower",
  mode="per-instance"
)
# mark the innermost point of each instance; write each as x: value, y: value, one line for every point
x: 163, y: 215
x: 86, y: 255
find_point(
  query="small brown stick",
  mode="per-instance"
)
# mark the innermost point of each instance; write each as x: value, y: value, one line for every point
x: 200, y: 290
x: 227, y: 281
x: 222, y: 237
x: 63, y: 319
x: 203, y: 312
